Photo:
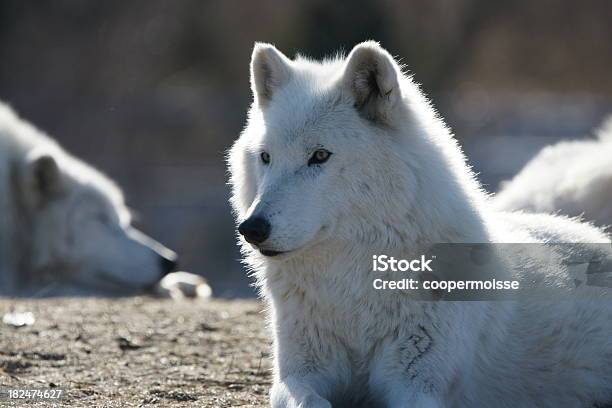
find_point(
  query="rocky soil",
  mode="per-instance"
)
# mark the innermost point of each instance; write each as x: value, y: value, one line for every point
x: 136, y: 352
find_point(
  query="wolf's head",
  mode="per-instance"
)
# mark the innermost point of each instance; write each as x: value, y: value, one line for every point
x: 75, y: 227
x: 332, y: 148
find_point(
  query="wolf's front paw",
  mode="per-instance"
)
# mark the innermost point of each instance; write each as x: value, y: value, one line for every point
x: 282, y: 396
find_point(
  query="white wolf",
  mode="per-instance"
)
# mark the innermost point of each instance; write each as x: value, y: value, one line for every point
x: 63, y: 224
x: 344, y: 159
x: 571, y: 177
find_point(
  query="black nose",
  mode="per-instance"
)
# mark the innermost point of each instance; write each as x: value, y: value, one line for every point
x: 255, y: 230
x: 168, y: 265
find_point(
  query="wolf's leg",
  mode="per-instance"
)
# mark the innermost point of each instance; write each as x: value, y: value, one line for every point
x: 403, y: 397
x: 395, y: 392
x: 416, y: 369
x: 312, y: 367
x: 297, y: 392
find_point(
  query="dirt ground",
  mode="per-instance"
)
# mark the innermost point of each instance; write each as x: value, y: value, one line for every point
x: 138, y: 352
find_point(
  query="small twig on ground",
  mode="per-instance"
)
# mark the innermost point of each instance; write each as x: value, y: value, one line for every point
x: 261, y: 356
x: 231, y: 365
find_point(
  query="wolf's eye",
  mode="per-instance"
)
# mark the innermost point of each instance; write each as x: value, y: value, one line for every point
x: 265, y: 157
x: 318, y: 157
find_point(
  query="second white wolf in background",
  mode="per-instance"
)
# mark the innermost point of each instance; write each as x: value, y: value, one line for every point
x: 573, y: 178
x: 344, y: 159
x: 64, y: 225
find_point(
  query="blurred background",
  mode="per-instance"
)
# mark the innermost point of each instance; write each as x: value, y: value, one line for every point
x: 154, y: 92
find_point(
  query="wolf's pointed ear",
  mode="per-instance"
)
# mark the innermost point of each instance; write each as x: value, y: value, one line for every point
x: 270, y: 70
x: 42, y: 178
x: 371, y: 76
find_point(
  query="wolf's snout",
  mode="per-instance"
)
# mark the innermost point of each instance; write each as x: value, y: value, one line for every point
x: 168, y: 265
x: 255, y: 230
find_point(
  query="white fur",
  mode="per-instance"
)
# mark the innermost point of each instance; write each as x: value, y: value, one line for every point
x: 396, y: 183
x: 570, y: 177
x: 63, y: 224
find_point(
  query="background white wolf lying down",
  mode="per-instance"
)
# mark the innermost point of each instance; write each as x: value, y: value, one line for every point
x: 64, y: 224
x: 344, y: 159
x: 573, y: 178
